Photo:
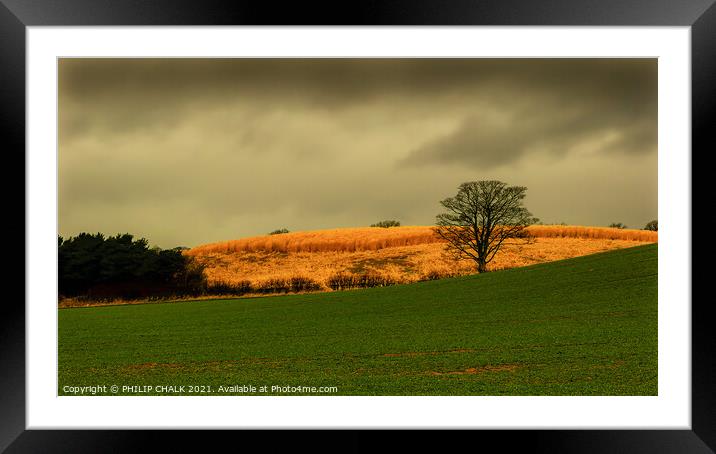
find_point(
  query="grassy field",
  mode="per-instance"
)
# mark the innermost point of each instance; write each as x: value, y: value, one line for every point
x: 582, y: 326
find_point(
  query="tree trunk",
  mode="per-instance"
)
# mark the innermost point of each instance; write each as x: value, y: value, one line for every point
x: 481, y: 266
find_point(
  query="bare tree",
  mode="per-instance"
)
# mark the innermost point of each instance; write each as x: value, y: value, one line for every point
x: 481, y: 218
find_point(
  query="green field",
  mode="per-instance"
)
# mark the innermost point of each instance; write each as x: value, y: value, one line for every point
x: 583, y: 326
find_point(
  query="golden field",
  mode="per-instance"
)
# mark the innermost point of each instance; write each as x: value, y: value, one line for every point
x: 399, y: 254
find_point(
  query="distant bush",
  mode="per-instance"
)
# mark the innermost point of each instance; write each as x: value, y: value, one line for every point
x: 303, y: 284
x: 273, y: 286
x: 225, y: 288
x: 617, y: 225
x: 340, y: 281
x: 652, y: 225
x: 279, y: 231
x: 347, y: 281
x: 292, y: 285
x: 433, y: 275
x: 386, y: 224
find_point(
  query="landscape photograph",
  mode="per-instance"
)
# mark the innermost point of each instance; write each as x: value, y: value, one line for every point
x: 357, y: 226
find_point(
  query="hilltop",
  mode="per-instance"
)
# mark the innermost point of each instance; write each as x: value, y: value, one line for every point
x: 383, y: 256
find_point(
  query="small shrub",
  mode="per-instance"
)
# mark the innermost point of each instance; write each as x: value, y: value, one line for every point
x: 274, y: 286
x: 367, y: 280
x: 340, y: 281
x: 652, y: 225
x: 225, y: 288
x: 279, y: 231
x: 386, y: 224
x: 347, y: 281
x: 294, y: 284
x: 434, y: 275
x: 303, y: 284
x: 431, y: 275
x: 617, y: 225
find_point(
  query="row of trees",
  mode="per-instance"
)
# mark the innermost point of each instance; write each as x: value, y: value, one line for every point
x: 651, y: 225
x: 96, y: 266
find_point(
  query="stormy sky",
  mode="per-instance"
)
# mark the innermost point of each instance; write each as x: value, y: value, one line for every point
x: 190, y: 151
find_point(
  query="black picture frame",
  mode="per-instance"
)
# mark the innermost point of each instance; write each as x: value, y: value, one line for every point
x: 16, y: 15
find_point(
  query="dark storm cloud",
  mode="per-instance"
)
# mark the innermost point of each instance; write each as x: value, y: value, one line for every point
x: 483, y: 143
x: 141, y: 93
x: 612, y: 104
x: 343, y: 79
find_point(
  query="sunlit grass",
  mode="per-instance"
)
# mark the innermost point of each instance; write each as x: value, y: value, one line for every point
x: 400, y: 255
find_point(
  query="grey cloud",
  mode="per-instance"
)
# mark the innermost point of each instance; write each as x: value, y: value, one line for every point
x: 129, y: 94
x: 560, y: 113
x: 337, y: 80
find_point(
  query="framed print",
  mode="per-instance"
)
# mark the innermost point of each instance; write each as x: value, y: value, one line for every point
x: 446, y: 219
